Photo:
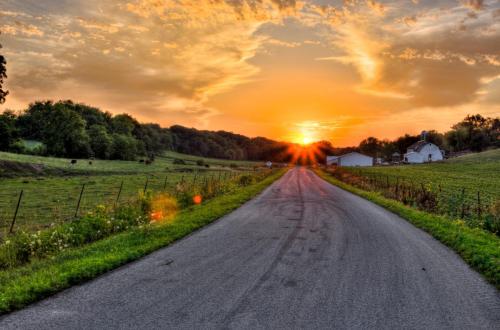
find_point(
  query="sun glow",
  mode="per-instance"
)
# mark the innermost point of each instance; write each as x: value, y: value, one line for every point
x: 307, y: 133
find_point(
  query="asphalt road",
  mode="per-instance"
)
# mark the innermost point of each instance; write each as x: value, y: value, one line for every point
x: 304, y: 254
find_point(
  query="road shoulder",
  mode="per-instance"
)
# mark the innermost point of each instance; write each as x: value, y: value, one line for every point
x: 479, y: 249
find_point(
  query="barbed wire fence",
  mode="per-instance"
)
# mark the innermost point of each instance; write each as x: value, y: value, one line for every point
x: 41, y: 206
x: 475, y: 207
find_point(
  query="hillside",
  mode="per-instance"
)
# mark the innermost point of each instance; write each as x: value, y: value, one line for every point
x: 12, y: 164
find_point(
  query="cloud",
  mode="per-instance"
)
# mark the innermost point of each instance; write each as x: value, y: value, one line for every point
x: 282, y: 43
x: 474, y: 4
x: 377, y: 7
x: 170, y: 53
x: 20, y: 28
x: 168, y: 60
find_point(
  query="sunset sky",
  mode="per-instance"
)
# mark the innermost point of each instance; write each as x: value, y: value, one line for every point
x: 284, y: 69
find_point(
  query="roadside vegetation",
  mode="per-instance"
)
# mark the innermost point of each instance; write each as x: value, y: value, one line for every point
x: 466, y: 188
x: 474, y: 238
x: 34, y: 265
x: 56, y: 191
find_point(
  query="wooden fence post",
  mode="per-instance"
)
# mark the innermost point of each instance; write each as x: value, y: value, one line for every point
x: 119, y: 193
x: 11, y: 230
x: 462, y: 215
x: 79, y: 201
x: 165, y: 183
x: 146, y: 184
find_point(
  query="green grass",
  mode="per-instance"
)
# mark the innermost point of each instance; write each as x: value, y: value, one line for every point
x: 41, y: 278
x: 162, y: 163
x: 480, y: 249
x: 475, y: 173
x: 53, y: 197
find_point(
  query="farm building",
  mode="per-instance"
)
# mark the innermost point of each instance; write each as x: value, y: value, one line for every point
x: 350, y: 159
x: 331, y: 160
x: 423, y: 152
x: 396, y: 157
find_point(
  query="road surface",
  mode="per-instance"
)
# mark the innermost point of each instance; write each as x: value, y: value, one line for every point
x: 304, y: 254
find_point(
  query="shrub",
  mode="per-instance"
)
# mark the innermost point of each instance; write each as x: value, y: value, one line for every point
x: 21, y: 247
x: 245, y: 180
x: 492, y: 220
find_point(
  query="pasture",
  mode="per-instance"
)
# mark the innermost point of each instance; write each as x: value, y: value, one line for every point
x: 53, y: 195
x: 466, y: 187
x: 474, y: 172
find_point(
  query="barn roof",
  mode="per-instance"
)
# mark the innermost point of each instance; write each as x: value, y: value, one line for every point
x: 354, y: 153
x: 417, y: 146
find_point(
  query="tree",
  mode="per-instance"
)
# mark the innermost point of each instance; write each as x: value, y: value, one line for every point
x: 3, y: 75
x: 403, y: 142
x: 32, y: 121
x: 474, y: 132
x: 64, y: 133
x: 101, y: 142
x: 8, y: 131
x: 435, y: 137
x: 124, y: 147
x: 123, y: 124
x: 371, y: 146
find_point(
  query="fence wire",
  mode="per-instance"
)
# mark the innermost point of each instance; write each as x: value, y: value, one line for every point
x: 43, y: 205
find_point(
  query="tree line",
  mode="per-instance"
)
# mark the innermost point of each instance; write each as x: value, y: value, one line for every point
x: 75, y: 130
x: 474, y: 133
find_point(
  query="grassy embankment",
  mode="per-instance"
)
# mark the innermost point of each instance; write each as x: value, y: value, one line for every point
x: 40, y: 278
x: 51, y: 186
x: 478, y: 247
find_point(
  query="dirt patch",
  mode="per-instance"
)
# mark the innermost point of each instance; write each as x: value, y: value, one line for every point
x: 10, y: 168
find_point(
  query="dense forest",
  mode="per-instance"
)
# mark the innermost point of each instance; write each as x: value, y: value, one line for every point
x: 74, y: 130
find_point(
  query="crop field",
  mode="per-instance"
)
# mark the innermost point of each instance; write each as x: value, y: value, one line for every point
x: 465, y: 187
x: 53, y: 198
x: 474, y: 173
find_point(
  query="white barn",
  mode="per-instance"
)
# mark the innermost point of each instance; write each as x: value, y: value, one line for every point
x: 350, y: 159
x: 423, y: 152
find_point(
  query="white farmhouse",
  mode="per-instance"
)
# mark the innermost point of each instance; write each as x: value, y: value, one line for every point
x: 423, y: 152
x: 350, y: 159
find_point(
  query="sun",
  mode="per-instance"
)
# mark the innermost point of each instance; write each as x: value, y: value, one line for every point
x: 306, y: 133
x: 305, y: 140
x: 305, y: 137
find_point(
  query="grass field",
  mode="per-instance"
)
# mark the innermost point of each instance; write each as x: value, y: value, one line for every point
x: 475, y: 173
x: 466, y: 187
x: 162, y: 163
x: 52, y: 196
